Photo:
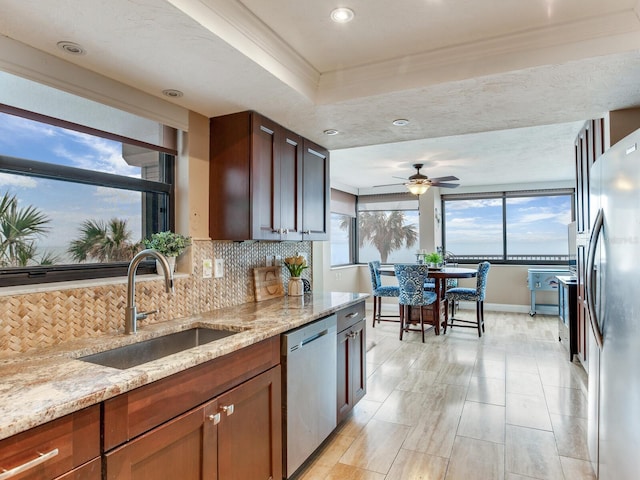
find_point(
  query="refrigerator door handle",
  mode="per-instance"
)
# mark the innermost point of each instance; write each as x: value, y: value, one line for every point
x: 589, y: 290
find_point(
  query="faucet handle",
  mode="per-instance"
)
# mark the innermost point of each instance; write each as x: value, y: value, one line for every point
x: 143, y: 315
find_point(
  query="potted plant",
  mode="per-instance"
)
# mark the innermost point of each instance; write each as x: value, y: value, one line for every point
x: 295, y: 265
x: 169, y: 244
x: 433, y: 259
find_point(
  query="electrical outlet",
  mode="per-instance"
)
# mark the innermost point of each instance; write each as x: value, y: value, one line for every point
x: 207, y: 268
x: 218, y: 268
x: 268, y: 261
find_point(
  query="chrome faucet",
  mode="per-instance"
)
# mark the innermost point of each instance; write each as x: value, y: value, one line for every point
x: 131, y: 313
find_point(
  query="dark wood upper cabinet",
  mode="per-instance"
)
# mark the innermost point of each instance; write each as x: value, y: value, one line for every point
x: 315, y: 192
x: 257, y: 181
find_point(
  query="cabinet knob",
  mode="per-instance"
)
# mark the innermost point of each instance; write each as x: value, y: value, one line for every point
x: 228, y: 409
x: 214, y: 418
x: 307, y: 232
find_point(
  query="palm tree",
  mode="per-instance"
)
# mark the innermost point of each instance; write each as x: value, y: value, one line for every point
x: 386, y: 231
x: 19, y: 228
x: 104, y: 242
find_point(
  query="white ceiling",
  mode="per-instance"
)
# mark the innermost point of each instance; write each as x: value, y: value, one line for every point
x: 495, y: 90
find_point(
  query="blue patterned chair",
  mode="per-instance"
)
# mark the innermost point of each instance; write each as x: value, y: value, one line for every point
x: 477, y: 295
x: 411, y: 281
x: 378, y: 290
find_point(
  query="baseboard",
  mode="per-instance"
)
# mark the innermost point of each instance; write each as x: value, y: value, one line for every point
x: 389, y: 308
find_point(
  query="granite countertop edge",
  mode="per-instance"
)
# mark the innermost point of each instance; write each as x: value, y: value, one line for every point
x: 41, y: 386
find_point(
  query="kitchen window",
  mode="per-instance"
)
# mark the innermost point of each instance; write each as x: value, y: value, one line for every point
x: 388, y: 228
x: 76, y: 202
x: 343, y: 228
x: 529, y: 227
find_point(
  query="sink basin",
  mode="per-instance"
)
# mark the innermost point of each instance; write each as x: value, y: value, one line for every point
x: 155, y: 348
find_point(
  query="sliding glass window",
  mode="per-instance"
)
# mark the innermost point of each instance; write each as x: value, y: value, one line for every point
x: 388, y: 228
x: 76, y: 203
x: 508, y: 227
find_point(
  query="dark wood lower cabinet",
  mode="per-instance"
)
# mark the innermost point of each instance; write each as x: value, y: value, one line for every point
x: 234, y: 436
x: 352, y: 367
x: 56, y: 450
x: 250, y: 438
x: 89, y: 471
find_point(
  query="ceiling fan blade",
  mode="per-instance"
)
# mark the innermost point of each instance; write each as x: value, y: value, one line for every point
x: 401, y: 178
x: 444, y: 179
x: 388, y: 185
x: 445, y: 185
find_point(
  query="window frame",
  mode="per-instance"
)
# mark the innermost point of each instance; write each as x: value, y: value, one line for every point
x: 504, y: 196
x: 391, y: 198
x: 352, y: 241
x: 40, y: 274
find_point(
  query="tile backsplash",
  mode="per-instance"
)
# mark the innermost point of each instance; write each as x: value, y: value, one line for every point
x: 31, y: 321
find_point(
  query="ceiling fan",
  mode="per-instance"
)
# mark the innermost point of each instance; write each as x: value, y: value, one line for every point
x: 418, y: 183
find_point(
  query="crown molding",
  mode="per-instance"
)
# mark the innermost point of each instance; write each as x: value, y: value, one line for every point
x: 239, y: 27
x: 235, y: 24
x: 601, y: 35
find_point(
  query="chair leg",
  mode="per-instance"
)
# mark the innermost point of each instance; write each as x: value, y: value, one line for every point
x: 479, y: 318
x: 482, y: 314
x: 421, y: 323
x: 402, y: 312
x: 375, y: 309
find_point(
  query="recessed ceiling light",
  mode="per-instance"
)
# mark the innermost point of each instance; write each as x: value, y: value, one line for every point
x: 401, y: 122
x: 331, y: 131
x: 72, y: 48
x: 170, y: 92
x: 342, y: 15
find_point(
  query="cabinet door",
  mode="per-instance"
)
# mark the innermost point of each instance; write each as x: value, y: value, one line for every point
x: 345, y: 403
x: 250, y: 430
x: 183, y: 448
x: 315, y: 192
x: 289, y: 174
x: 352, y: 374
x: 265, y: 183
x: 359, y: 361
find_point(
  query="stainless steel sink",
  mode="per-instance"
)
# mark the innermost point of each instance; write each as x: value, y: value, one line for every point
x: 155, y: 348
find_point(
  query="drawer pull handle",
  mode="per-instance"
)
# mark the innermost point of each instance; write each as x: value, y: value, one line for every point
x: 215, y: 418
x: 228, y: 409
x: 353, y: 314
x: 41, y: 458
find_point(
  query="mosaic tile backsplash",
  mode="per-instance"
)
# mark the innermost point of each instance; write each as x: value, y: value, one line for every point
x: 36, y: 320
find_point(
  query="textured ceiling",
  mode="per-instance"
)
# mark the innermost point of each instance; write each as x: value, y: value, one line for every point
x: 495, y: 90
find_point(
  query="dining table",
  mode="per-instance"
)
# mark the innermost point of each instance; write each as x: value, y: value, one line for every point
x: 440, y: 275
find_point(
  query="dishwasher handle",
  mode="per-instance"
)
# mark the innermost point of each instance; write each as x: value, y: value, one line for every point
x: 314, y: 337
x: 297, y: 339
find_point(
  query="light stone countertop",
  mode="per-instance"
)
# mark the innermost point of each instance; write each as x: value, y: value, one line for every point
x: 41, y: 386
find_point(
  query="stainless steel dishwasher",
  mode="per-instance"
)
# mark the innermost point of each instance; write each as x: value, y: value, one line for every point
x: 309, y: 356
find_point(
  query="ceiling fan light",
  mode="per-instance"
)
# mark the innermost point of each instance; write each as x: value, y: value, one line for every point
x: 417, y: 188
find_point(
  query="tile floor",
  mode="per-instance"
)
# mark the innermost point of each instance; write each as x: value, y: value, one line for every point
x: 507, y: 406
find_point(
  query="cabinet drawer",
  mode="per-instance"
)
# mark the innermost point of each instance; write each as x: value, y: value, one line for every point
x: 55, y: 448
x: 88, y: 471
x: 350, y: 315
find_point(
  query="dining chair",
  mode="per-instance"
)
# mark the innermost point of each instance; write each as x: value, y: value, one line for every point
x: 477, y: 295
x: 379, y: 291
x: 411, y: 280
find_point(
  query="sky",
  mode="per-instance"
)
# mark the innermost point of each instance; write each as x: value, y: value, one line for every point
x: 66, y: 204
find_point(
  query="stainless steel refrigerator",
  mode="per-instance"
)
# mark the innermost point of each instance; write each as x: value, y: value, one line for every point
x: 613, y: 298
